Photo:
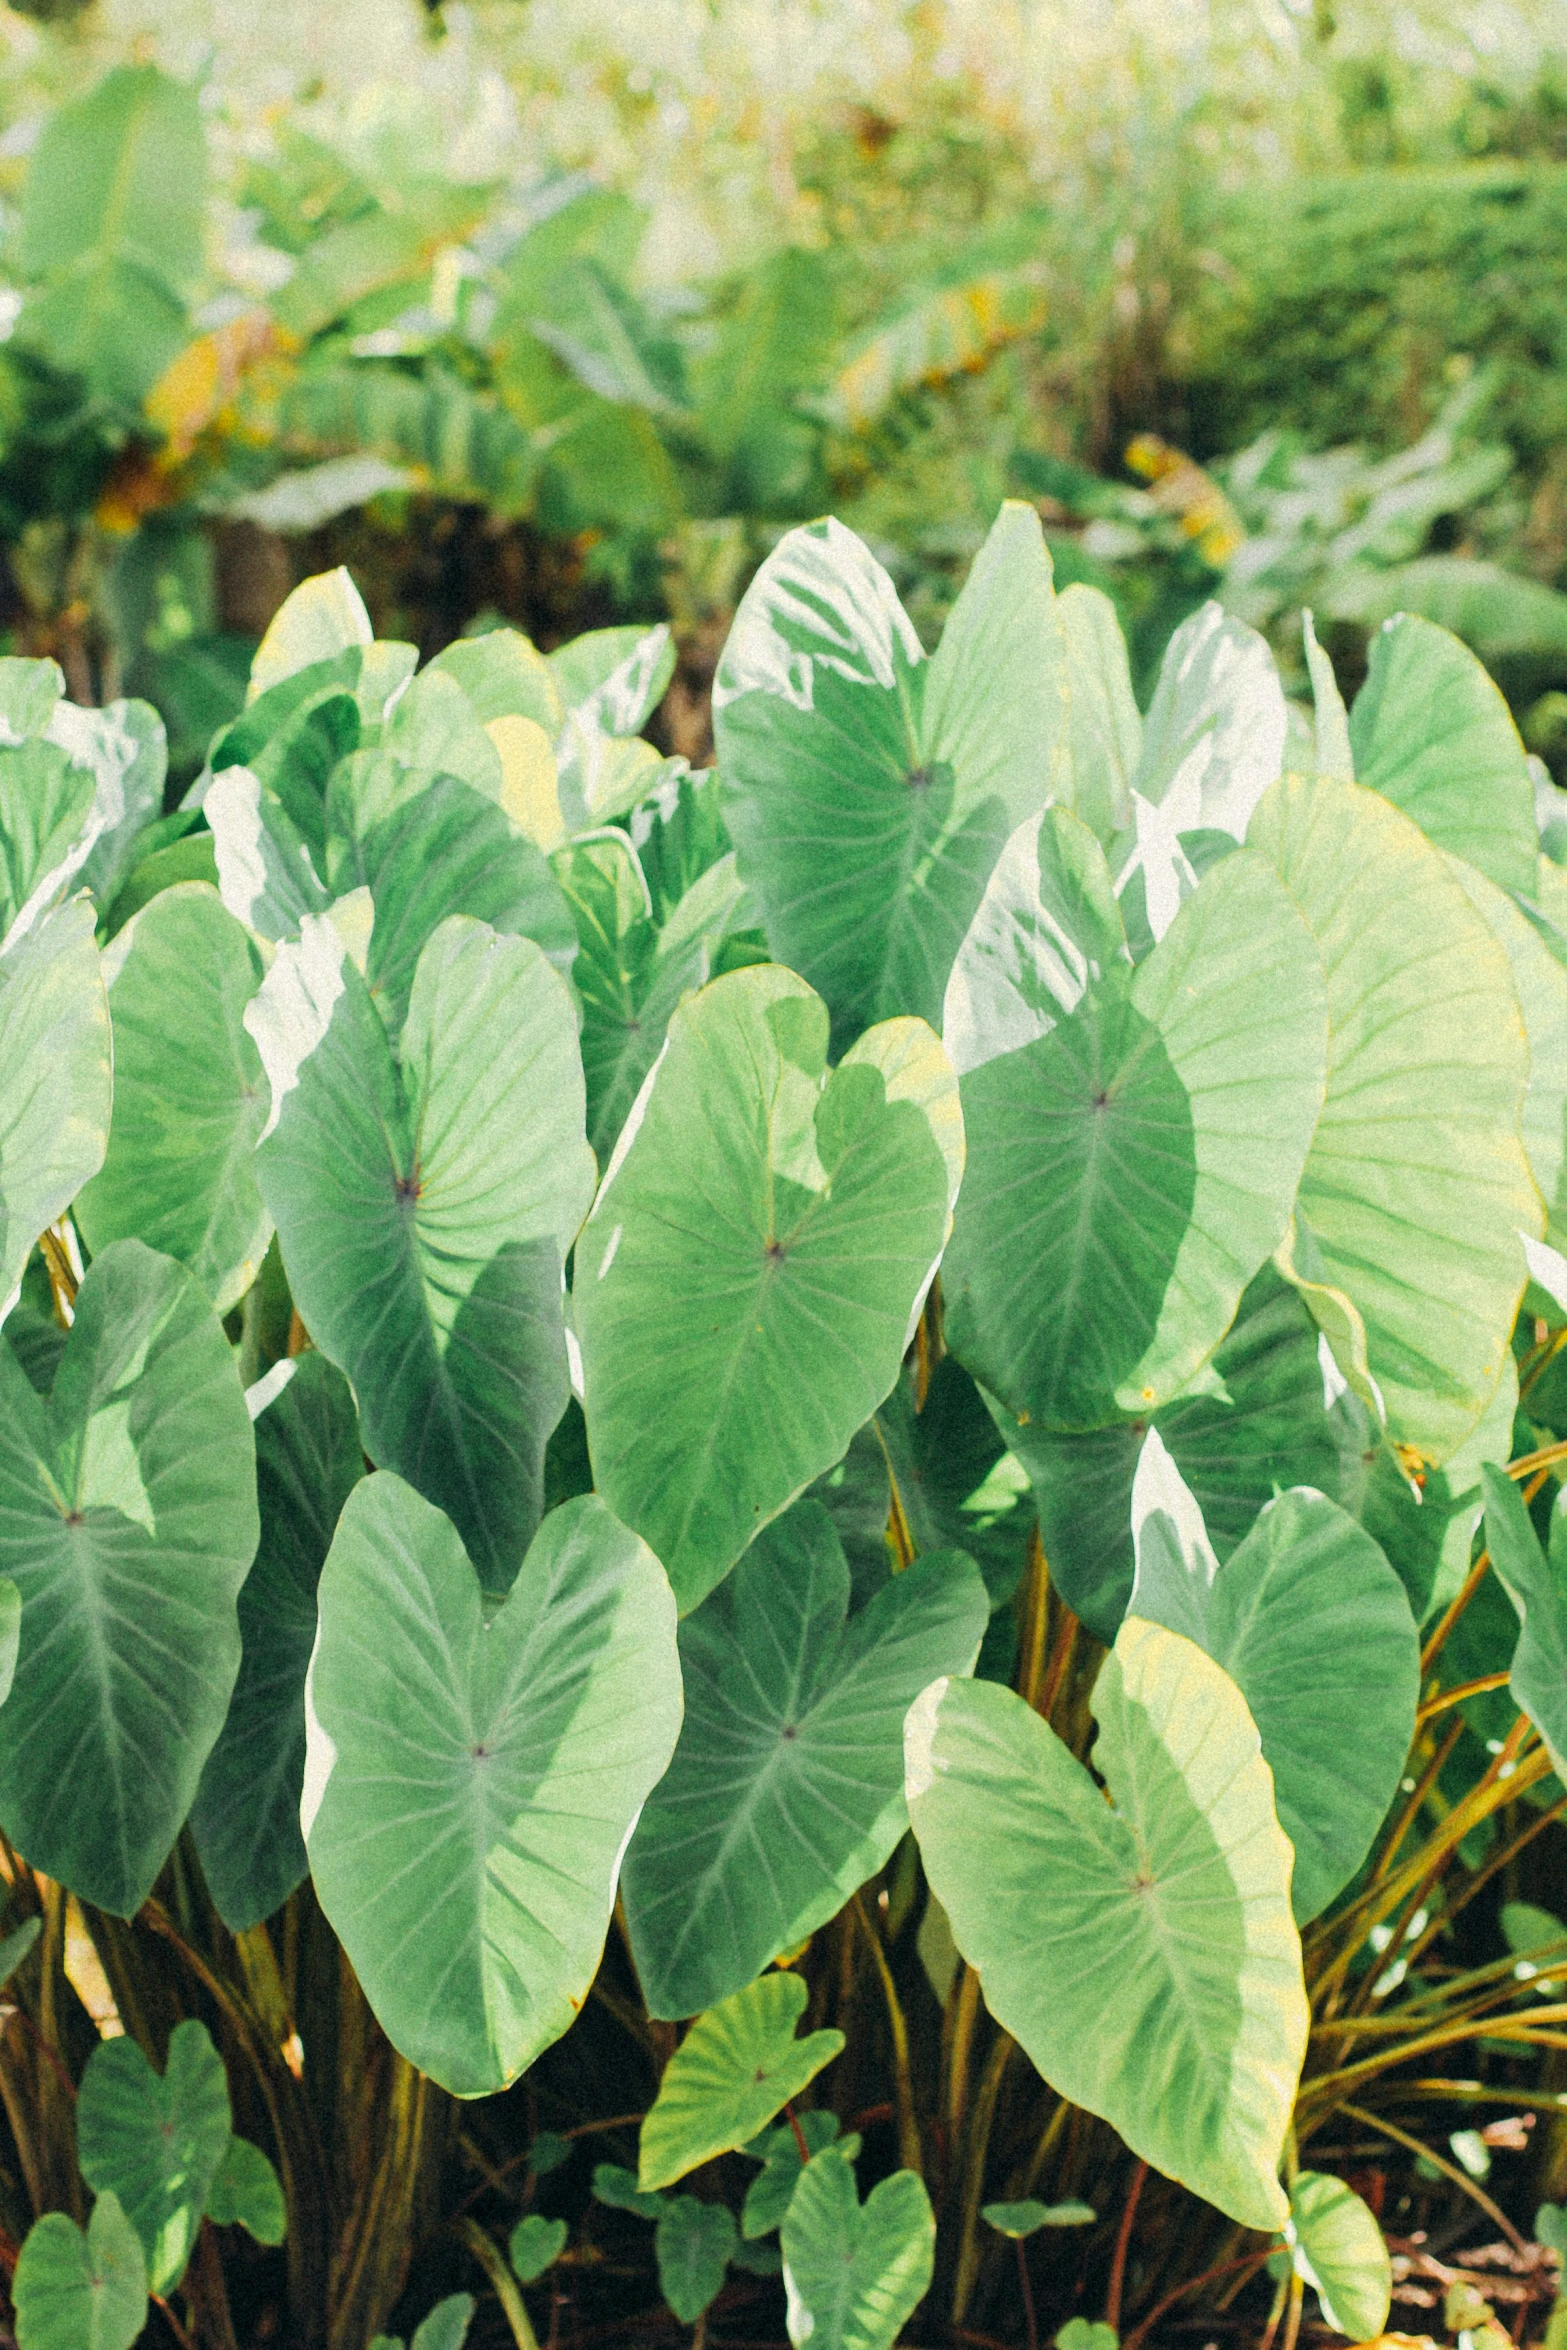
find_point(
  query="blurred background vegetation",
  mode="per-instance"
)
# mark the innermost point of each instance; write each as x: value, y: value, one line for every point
x: 560, y: 311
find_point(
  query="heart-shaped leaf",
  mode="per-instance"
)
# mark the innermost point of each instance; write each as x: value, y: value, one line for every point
x: 767, y: 2197
x: 45, y: 803
x: 246, y: 2193
x: 786, y: 1790
x: 424, y: 1209
x: 1336, y: 1716
x: 1142, y: 1951
x: 81, y: 2292
x: 692, y: 2244
x: 245, y: 1819
x: 1337, y: 2248
x: 1432, y: 733
x: 781, y: 1289
x: 189, y: 1097
x: 1147, y: 1149
x: 1416, y: 1188
x: 536, y: 2243
x: 55, y: 1078
x: 732, y: 2072
x: 156, y: 2143
x: 869, y: 791
x: 617, y: 2187
x: 127, y: 1522
x: 1537, y: 1587
x: 1214, y: 737
x: 470, y: 1784
x: 854, y: 2272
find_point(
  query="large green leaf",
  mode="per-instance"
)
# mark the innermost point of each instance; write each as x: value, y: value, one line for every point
x: 786, y: 1791
x: 1142, y: 1950
x: 189, y: 1100
x: 156, y: 2141
x: 55, y: 1078
x: 776, y: 343
x: 854, y: 2272
x: 754, y: 1259
x: 425, y: 1209
x: 1432, y: 733
x: 1335, y: 1710
x: 245, y: 1819
x: 127, y: 1522
x: 471, y: 1782
x: 1107, y: 727
x: 1537, y: 1587
x: 81, y: 2292
x: 1275, y: 1420
x: 869, y: 792
x: 1213, y: 740
x: 1540, y: 983
x: 1406, y: 1234
x: 322, y: 618
x: 1337, y: 2247
x: 737, y: 2066
x: 1130, y: 1170
x: 45, y: 805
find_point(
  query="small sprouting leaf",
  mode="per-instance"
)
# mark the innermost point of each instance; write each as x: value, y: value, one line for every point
x: 246, y: 2193
x: 733, y: 2071
x: 615, y: 2185
x: 1084, y: 2333
x: 1014, y: 2219
x: 1338, y: 2249
x: 547, y: 2152
x: 76, y: 2292
x: 767, y: 2197
x: 692, y: 2243
x: 156, y: 2142
x: 853, y: 2272
x: 535, y: 2243
x: 446, y: 2326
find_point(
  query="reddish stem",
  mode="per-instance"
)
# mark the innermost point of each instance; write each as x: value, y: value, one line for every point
x: 1122, y: 2245
x: 799, y: 2135
x: 1028, y: 2294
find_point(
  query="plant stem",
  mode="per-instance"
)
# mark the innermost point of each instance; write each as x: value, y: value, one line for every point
x: 1028, y: 2294
x: 1123, y: 2241
x: 1208, y: 2276
x: 793, y: 2120
x: 503, y: 2283
x: 910, y: 2153
x: 1454, y: 1609
x: 1036, y: 1624
x: 1297, y: 2297
x: 1450, y: 2170
x: 974, y: 2173
x: 1066, y: 1643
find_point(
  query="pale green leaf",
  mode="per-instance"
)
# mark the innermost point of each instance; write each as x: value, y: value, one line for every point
x: 854, y: 2272
x: 735, y: 2068
x: 1337, y: 2248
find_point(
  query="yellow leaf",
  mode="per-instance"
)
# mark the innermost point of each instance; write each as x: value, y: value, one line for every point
x: 530, y: 793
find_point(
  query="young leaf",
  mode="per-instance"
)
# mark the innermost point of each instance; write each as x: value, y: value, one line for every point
x: 615, y: 2185
x: 189, y: 1098
x: 424, y: 1210
x: 470, y: 1784
x: 778, y: 2150
x: 786, y: 1789
x: 1432, y: 733
x: 156, y: 2143
x: 55, y: 1077
x: 869, y: 792
x: 732, y: 2072
x: 1337, y: 2248
x: 536, y: 2243
x: 1141, y: 1951
x: 1213, y: 740
x: 784, y: 1283
x: 1147, y: 1149
x: 445, y: 2327
x: 1106, y: 725
x: 692, y: 2244
x: 854, y: 2272
x: 1537, y: 1588
x: 1336, y: 1717
x: 76, y: 2292
x: 246, y: 2193
x: 323, y: 616
x: 1405, y: 1237
x: 127, y: 1522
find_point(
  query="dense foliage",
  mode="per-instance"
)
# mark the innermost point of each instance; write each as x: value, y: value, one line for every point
x: 853, y: 1392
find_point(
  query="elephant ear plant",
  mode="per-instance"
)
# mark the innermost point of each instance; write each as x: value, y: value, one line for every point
x: 826, y: 1402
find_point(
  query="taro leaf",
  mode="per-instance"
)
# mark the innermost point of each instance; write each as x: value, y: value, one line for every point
x: 10, y: 1634
x: 868, y: 791
x: 1336, y: 1717
x: 246, y: 1815
x: 1337, y: 2248
x: 755, y: 1258
x: 81, y: 2292
x: 1082, y: 2333
x: 1416, y: 1187
x: 1147, y: 1151
x: 296, y: 762
x: 536, y: 2243
x: 504, y: 676
x: 45, y: 802
x: 323, y: 617
x: 267, y: 876
x: 156, y: 2143
x: 1332, y: 753
x: 737, y: 2066
x: 424, y: 1211
x: 767, y: 2197
x: 1270, y: 1425
x: 616, y: 2186
x: 445, y: 2327
x: 16, y: 1947
x: 854, y: 2272
x: 1432, y: 733
x: 1213, y: 740
x: 128, y: 1502
x: 786, y: 1790
x: 692, y: 2244
x: 448, y: 850
x: 55, y: 1078
x: 470, y: 1785
x: 1107, y: 729
x: 1028, y: 2217
x: 1537, y: 1587
x: 432, y: 727
x: 139, y: 746
x: 678, y: 832
x: 612, y: 680
x: 1540, y: 982
x: 246, y: 2193
x: 189, y: 1097
x: 1144, y: 1955
x: 957, y: 1488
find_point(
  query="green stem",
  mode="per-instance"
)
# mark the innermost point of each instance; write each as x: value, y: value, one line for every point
x: 489, y: 2257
